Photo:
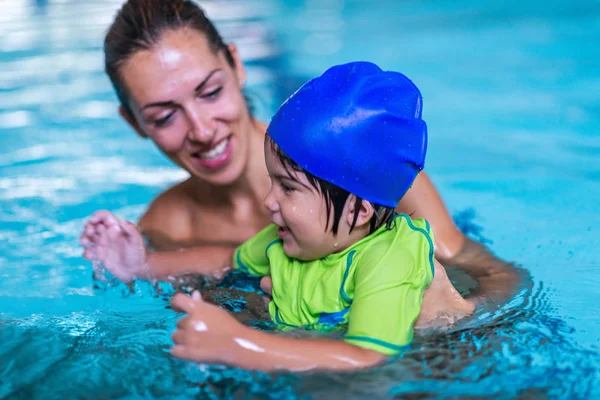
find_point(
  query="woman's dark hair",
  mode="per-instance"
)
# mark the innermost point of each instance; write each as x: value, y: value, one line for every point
x: 139, y: 25
x: 335, y: 197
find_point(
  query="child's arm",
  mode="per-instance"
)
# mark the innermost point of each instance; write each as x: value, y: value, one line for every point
x: 209, y: 334
x: 119, y: 246
x: 385, y: 303
x: 389, y: 286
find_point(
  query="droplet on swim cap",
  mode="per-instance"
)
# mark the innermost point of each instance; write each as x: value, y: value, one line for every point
x: 357, y: 127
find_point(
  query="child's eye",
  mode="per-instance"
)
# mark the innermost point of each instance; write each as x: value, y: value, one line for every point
x: 213, y: 94
x: 163, y: 121
x: 287, y: 189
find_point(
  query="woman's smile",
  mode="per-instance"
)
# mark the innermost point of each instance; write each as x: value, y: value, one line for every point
x: 216, y: 157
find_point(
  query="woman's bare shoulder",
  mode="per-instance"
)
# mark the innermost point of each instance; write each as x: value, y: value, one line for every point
x: 168, y: 219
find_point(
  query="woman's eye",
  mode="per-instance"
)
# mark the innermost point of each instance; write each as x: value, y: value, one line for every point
x: 213, y: 94
x: 164, y: 120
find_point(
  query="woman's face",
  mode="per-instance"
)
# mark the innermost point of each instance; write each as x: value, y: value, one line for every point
x: 188, y: 100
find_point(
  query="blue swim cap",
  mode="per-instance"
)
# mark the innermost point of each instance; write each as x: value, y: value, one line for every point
x: 357, y: 127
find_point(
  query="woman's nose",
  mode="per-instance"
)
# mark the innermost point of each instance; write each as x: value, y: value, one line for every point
x: 200, y: 129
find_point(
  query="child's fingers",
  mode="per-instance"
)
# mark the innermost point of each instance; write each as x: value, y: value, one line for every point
x: 183, y: 303
x: 180, y: 351
x: 220, y: 274
x: 266, y: 285
x: 182, y: 323
x: 178, y: 337
x: 197, y: 296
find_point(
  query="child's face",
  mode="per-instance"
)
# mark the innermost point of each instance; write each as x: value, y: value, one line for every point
x: 299, y: 211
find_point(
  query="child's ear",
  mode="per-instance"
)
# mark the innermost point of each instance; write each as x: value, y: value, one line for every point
x: 126, y: 115
x: 364, y: 212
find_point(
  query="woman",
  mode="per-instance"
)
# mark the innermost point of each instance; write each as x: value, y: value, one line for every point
x: 181, y: 86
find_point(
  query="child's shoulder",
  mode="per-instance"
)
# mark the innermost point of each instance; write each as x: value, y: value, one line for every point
x: 404, y: 230
x: 403, y: 252
x: 405, y: 238
x: 409, y: 233
x: 404, y: 224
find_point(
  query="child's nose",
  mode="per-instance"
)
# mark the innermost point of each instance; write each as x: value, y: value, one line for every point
x: 271, y: 203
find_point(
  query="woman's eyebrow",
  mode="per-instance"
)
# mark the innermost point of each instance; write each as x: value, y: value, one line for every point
x: 171, y: 103
x: 160, y: 104
x: 201, y: 85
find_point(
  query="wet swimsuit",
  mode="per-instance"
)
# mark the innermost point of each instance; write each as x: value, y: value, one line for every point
x: 373, y: 289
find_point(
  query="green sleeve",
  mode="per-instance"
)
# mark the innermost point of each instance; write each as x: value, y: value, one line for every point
x: 388, y: 293
x: 251, y: 255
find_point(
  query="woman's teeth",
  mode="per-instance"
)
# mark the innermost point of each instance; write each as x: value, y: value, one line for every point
x: 216, y: 151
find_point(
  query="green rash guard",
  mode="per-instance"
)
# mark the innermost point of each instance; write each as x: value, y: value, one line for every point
x: 374, y: 288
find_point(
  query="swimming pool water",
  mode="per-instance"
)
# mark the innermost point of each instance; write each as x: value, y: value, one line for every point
x: 511, y: 99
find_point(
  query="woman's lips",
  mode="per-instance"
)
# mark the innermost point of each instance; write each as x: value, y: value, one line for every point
x: 216, y: 157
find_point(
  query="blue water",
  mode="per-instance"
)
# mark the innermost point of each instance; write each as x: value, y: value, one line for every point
x: 511, y: 100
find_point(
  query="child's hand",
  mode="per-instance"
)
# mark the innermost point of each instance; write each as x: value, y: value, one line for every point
x: 207, y: 333
x: 266, y: 285
x: 117, y: 244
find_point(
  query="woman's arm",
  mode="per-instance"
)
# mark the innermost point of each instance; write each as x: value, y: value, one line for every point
x: 120, y: 247
x: 424, y: 201
x: 498, y: 280
x: 209, y: 334
x: 214, y: 261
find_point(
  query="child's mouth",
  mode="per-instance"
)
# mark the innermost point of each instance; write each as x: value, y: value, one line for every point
x: 282, y: 232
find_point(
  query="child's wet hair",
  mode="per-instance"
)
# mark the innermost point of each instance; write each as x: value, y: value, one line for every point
x: 335, y: 197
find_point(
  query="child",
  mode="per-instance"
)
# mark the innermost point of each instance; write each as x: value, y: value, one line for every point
x: 341, y: 152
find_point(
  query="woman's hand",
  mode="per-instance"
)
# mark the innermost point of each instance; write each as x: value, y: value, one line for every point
x: 207, y: 333
x: 117, y: 244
